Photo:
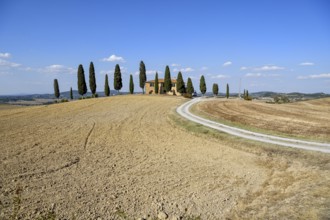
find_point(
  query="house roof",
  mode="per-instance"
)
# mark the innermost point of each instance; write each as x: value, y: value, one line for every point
x: 160, y: 81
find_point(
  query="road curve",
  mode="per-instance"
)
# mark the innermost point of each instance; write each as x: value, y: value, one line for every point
x: 183, y: 110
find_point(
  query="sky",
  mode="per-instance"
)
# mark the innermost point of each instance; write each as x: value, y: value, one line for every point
x: 262, y: 45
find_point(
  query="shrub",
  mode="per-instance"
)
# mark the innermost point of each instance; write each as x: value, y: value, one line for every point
x: 187, y: 95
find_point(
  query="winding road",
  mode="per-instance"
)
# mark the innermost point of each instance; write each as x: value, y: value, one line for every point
x: 183, y: 110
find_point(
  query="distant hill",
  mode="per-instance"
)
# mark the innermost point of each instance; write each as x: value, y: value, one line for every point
x: 64, y: 95
x: 48, y: 98
x: 290, y: 95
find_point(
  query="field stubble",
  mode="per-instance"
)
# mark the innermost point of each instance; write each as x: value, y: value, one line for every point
x: 131, y: 156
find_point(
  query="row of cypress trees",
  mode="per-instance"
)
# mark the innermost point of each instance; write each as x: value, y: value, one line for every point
x: 181, y: 88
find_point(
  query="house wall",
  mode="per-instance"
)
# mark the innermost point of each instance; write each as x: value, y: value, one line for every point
x: 151, y: 89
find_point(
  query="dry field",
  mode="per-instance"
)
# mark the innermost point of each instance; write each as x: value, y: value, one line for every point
x: 130, y: 157
x: 306, y: 120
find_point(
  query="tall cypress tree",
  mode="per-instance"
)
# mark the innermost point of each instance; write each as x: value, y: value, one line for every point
x: 202, y: 85
x: 131, y: 84
x: 156, y: 84
x: 117, y: 81
x: 190, y: 87
x: 82, y: 88
x: 106, y: 86
x: 227, y: 91
x: 143, y: 76
x: 92, y: 80
x: 180, y: 86
x: 215, y: 89
x: 56, y: 89
x: 167, y: 80
x: 71, y: 93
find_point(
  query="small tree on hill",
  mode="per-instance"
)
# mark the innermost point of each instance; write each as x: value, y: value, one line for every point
x: 202, y: 85
x: 227, y: 91
x: 131, y: 84
x: 56, y: 89
x: 71, y: 93
x: 92, y: 80
x: 143, y: 76
x: 106, y: 86
x: 167, y: 80
x: 156, y: 84
x: 180, y: 87
x: 190, y: 87
x: 215, y: 89
x: 117, y: 81
x: 82, y: 88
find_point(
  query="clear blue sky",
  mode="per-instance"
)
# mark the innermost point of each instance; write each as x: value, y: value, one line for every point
x: 271, y: 45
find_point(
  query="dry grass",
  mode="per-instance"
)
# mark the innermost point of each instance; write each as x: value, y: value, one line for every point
x: 132, y: 156
x: 306, y: 120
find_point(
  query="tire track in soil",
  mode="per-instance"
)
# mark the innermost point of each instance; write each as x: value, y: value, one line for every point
x: 88, y: 135
x: 67, y: 165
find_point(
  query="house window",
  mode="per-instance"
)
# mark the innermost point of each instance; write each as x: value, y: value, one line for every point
x: 152, y: 84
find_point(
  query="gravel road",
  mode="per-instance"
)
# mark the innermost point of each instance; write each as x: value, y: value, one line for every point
x: 183, y: 110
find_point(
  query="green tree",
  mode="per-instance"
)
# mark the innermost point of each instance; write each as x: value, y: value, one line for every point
x: 71, y: 93
x: 247, y: 94
x: 156, y: 84
x: 117, y: 81
x: 244, y: 94
x: 106, y: 86
x: 215, y: 89
x: 131, y: 84
x: 202, y: 85
x: 143, y: 76
x: 190, y: 87
x: 82, y: 88
x: 180, y: 86
x: 167, y: 80
x: 92, y: 80
x: 56, y: 89
x: 227, y: 91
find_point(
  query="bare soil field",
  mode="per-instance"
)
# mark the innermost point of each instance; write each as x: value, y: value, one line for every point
x: 307, y: 119
x: 130, y: 157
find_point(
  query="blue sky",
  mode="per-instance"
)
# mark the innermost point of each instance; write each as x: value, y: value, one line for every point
x: 281, y: 45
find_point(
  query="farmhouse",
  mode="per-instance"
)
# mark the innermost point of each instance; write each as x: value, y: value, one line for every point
x: 150, y: 87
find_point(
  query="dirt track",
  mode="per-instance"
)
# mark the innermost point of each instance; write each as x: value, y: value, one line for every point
x: 124, y: 157
x: 184, y: 110
x: 307, y: 119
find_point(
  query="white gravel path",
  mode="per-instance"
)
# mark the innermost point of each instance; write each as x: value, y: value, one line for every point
x: 183, y: 110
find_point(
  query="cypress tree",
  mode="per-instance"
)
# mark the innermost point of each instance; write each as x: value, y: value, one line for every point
x: 92, y: 80
x: 106, y: 86
x: 215, y: 89
x: 247, y: 94
x: 156, y: 84
x: 202, y: 85
x: 227, y: 91
x: 117, y: 81
x: 143, y: 76
x: 82, y: 88
x: 244, y: 95
x: 131, y: 84
x: 190, y: 87
x: 180, y: 87
x: 167, y: 80
x: 71, y: 93
x: 56, y: 89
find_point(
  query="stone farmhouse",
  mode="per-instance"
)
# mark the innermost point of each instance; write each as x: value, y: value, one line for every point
x: 150, y: 87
